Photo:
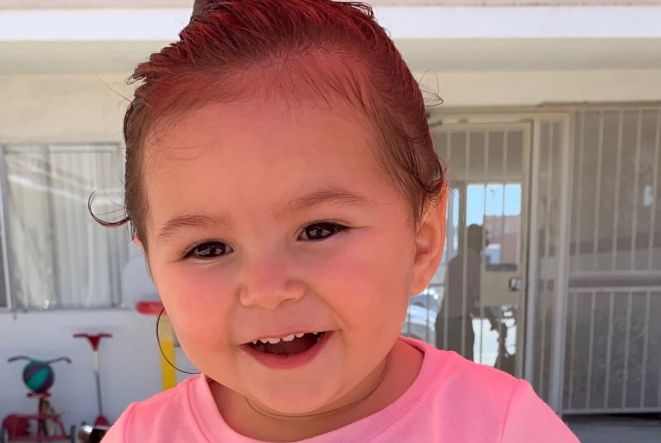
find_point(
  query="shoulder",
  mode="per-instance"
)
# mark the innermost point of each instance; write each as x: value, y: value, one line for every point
x: 481, y: 403
x: 452, y: 371
x: 143, y: 421
x: 529, y: 418
x: 497, y: 403
x: 162, y: 404
x: 463, y: 386
x: 481, y: 386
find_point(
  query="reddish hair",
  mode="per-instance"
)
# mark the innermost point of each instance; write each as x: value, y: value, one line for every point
x: 236, y: 49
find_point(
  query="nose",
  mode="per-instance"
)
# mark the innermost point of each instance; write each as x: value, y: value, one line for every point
x: 267, y: 282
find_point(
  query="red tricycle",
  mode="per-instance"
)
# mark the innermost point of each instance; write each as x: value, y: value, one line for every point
x: 38, y: 376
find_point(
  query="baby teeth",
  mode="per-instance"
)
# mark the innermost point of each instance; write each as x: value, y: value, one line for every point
x: 291, y: 337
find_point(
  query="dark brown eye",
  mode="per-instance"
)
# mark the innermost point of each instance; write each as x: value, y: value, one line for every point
x: 210, y: 250
x: 321, y: 231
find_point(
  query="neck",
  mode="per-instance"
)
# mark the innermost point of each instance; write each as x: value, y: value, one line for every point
x: 385, y: 385
x: 333, y: 410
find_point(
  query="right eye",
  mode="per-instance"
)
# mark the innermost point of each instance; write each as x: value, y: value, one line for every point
x: 209, y: 250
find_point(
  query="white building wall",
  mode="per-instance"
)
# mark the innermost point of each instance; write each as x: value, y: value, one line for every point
x: 73, y: 108
x: 86, y: 108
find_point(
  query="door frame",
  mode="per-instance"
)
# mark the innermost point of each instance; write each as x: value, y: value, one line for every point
x: 536, y: 117
x: 526, y: 128
x: 560, y: 318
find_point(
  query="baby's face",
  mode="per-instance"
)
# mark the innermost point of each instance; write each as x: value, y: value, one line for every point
x: 272, y: 221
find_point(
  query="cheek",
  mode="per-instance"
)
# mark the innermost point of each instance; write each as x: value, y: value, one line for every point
x: 198, y: 301
x: 369, y: 277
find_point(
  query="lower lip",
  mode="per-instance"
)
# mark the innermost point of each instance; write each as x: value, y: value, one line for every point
x: 292, y: 361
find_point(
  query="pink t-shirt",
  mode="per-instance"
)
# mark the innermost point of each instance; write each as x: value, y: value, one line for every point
x: 452, y: 401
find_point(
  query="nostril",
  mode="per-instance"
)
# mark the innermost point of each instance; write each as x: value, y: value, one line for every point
x: 269, y: 291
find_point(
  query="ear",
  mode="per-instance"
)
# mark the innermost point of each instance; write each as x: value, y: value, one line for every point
x: 138, y: 242
x: 429, y: 243
x: 141, y: 245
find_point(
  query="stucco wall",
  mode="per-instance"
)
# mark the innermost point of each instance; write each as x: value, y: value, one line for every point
x: 77, y: 108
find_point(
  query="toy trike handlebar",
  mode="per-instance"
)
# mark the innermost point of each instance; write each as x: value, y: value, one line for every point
x: 48, y: 362
x: 94, y: 339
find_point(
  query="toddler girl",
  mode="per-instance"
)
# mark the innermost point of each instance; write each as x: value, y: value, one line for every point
x: 281, y: 179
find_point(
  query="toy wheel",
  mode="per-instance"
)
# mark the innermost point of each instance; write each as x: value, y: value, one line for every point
x: 48, y: 426
x: 4, y: 435
x: 73, y: 438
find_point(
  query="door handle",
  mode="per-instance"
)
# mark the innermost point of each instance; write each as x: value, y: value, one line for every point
x: 516, y: 284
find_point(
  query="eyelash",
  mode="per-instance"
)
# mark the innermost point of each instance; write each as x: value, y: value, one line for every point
x: 332, y: 227
x: 190, y: 252
x: 337, y: 228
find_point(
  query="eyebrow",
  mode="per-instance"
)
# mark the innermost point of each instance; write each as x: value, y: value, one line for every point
x: 305, y: 202
x: 184, y: 221
x: 323, y: 197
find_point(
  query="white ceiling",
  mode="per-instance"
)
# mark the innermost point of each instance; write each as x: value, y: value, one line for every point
x: 84, y: 4
x: 445, y: 23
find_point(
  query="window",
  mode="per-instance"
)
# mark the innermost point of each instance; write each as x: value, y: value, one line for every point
x: 58, y: 256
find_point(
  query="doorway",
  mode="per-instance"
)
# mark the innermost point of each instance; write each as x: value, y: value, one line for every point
x: 480, y: 284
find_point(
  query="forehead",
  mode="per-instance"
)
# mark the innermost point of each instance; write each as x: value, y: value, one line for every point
x: 240, y: 152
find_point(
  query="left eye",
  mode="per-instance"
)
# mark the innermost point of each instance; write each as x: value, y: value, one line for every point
x: 321, y: 231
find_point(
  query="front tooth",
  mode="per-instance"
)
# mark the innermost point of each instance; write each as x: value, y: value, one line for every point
x: 273, y: 341
x: 289, y: 337
x: 299, y: 335
x: 264, y: 340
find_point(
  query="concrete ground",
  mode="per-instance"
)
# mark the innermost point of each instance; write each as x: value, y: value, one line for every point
x: 601, y: 429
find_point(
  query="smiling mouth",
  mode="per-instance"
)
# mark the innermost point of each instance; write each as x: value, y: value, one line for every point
x: 290, y: 345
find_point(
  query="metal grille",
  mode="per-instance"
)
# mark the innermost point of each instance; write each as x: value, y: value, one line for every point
x: 613, y: 358
x: 613, y: 347
x: 594, y: 271
x: 617, y: 213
